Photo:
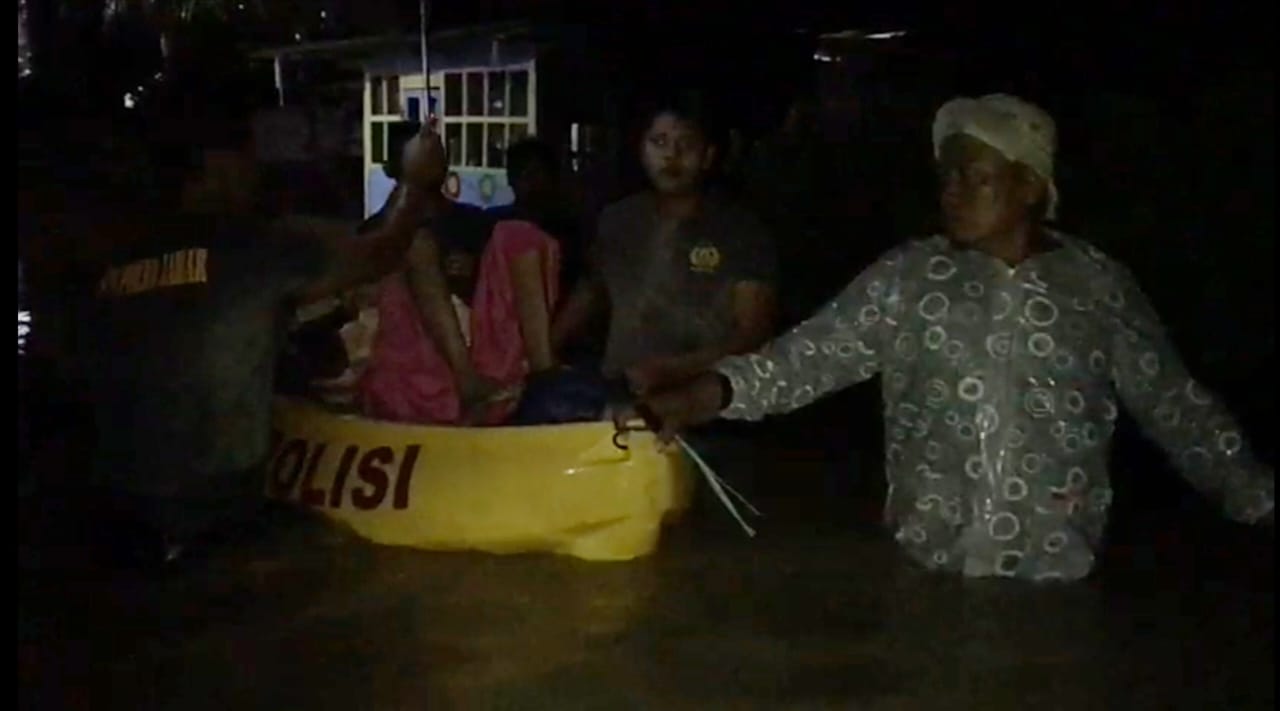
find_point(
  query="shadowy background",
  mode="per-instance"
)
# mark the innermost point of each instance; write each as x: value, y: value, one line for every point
x: 1165, y: 117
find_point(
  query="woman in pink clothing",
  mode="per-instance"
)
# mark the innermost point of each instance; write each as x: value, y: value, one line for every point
x: 446, y: 356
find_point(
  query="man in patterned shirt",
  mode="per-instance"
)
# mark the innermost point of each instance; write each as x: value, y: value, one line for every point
x: 1004, y: 350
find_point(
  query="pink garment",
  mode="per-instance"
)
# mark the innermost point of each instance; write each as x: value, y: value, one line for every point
x: 408, y: 379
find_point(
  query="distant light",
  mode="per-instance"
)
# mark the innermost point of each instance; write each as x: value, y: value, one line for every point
x: 240, y: 6
x: 323, y: 14
x: 130, y: 101
x: 24, y: 330
x: 824, y: 57
x: 856, y: 35
x: 297, y: 36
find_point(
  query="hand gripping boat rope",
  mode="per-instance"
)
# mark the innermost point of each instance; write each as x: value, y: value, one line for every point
x: 718, y: 486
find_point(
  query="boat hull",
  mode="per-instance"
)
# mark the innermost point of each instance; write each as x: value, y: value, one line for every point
x: 563, y: 489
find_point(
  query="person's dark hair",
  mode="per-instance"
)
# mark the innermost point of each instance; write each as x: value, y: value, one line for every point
x: 689, y: 105
x: 528, y: 152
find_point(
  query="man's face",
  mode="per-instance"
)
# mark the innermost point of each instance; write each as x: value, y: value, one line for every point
x: 675, y: 155
x: 984, y: 195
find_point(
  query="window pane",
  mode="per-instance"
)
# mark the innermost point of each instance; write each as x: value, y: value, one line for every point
x: 433, y: 103
x: 377, y: 91
x: 453, y: 142
x: 519, y: 102
x: 475, y: 145
x: 475, y: 93
x: 497, y: 93
x: 497, y: 146
x: 452, y: 94
x: 516, y: 132
x: 393, y: 95
x: 378, y: 142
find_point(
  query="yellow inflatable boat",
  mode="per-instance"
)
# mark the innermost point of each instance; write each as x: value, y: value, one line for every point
x: 582, y: 490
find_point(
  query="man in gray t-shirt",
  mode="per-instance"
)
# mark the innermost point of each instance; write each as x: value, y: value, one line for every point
x: 686, y: 275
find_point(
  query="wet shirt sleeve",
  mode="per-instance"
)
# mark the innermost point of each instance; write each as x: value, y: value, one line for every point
x: 1189, y: 423
x: 841, y: 345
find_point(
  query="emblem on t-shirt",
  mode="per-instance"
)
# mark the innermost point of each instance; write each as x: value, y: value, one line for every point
x: 704, y: 259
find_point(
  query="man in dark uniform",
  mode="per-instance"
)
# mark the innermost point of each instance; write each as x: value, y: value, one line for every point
x: 185, y: 318
x: 686, y: 274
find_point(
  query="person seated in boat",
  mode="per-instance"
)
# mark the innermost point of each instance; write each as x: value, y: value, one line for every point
x: 328, y: 345
x: 543, y: 198
x: 179, y: 330
x: 685, y: 274
x: 468, y: 318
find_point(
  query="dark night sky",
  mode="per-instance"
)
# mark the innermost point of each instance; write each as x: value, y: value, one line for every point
x: 1156, y: 49
x: 1147, y: 32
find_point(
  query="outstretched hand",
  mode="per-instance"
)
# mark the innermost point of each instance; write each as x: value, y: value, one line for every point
x: 672, y: 410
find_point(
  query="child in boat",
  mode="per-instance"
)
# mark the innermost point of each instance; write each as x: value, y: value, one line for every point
x: 456, y: 342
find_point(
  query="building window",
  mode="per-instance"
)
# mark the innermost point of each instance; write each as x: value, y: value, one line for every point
x: 453, y: 94
x: 378, y: 141
x: 387, y: 106
x: 485, y: 110
x: 384, y: 96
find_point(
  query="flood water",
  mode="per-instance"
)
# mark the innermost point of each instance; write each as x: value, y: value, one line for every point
x: 820, y: 611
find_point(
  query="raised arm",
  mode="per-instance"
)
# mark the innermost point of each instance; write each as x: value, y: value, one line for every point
x: 351, y: 261
x: 839, y: 346
x: 1185, y: 420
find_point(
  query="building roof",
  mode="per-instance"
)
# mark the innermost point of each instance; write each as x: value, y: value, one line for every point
x: 360, y: 48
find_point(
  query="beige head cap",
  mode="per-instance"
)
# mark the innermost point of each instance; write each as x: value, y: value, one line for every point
x: 1020, y: 131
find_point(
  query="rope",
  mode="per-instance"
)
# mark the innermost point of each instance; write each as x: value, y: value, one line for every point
x: 719, y: 486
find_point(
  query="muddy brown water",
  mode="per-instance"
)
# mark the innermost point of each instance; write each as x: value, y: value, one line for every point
x: 820, y: 611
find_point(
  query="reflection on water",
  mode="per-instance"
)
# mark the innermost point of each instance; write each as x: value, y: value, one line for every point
x: 800, y: 617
